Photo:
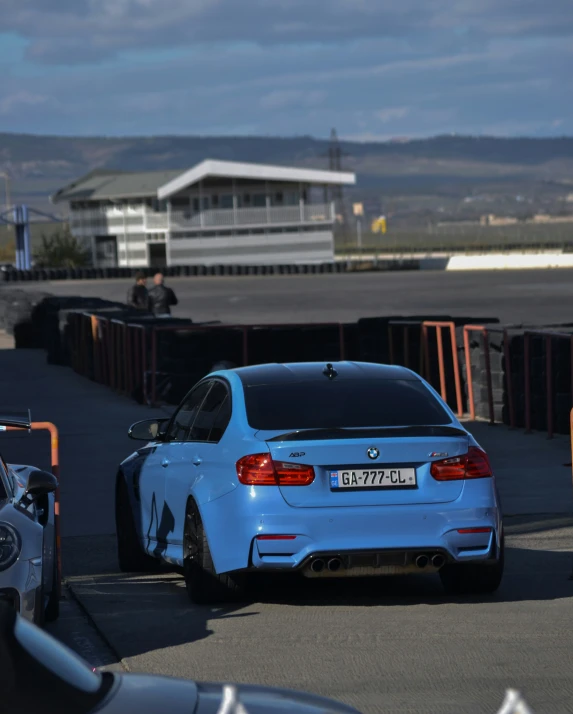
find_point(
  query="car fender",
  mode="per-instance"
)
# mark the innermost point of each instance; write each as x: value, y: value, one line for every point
x: 31, y: 532
x: 232, y: 522
x: 129, y: 471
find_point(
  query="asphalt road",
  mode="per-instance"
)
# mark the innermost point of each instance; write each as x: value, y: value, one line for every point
x: 398, y: 647
x: 533, y: 296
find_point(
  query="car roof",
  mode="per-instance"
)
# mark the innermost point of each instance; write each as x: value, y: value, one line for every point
x: 314, y: 371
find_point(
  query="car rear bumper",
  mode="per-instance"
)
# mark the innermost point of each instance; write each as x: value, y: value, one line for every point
x: 381, y: 540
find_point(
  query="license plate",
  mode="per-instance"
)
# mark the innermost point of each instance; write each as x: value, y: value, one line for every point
x: 373, y: 478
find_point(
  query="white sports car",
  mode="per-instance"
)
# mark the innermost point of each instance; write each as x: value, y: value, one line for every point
x: 29, y: 577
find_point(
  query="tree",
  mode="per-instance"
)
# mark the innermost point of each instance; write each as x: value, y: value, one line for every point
x: 8, y: 252
x: 61, y: 250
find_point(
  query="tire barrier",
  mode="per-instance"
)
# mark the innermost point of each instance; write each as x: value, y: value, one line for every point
x: 175, y: 271
x: 520, y: 375
x: 17, y: 310
x: 156, y: 360
x: 530, y: 384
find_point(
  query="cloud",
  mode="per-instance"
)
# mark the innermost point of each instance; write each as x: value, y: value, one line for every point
x: 282, y: 99
x: 369, y: 67
x: 391, y: 113
x: 21, y: 101
x: 63, y: 31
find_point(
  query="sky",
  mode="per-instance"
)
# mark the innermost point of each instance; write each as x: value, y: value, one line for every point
x: 373, y: 69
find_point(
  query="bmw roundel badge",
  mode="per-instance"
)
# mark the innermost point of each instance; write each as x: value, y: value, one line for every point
x: 373, y: 453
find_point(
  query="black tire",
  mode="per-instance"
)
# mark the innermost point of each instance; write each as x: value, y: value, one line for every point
x: 52, y: 610
x: 130, y: 555
x: 204, y: 586
x: 40, y: 608
x: 474, y: 578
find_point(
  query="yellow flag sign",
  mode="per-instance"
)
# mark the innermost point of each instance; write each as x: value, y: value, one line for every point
x: 379, y: 225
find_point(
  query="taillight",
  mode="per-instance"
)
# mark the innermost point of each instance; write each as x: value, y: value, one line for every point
x: 473, y: 531
x: 474, y: 464
x: 261, y: 470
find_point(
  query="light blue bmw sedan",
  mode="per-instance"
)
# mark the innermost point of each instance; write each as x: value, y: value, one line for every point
x: 324, y: 470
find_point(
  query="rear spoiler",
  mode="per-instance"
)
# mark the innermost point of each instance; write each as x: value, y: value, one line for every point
x: 15, y: 420
x: 371, y: 433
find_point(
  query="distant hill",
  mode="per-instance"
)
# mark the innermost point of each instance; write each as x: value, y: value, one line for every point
x: 451, y: 176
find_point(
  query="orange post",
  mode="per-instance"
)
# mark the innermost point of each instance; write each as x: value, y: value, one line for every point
x: 55, y: 454
x: 458, y: 385
x: 95, y: 347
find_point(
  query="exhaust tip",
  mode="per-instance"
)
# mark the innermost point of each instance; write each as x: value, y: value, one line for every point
x: 422, y: 561
x: 334, y: 564
x: 438, y: 560
x: 317, y: 566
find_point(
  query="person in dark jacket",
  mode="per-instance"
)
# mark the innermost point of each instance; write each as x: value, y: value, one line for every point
x: 161, y: 297
x: 138, y: 295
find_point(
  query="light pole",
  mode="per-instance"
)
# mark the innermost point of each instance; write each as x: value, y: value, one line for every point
x: 358, y: 210
x: 6, y: 178
x: 8, y: 201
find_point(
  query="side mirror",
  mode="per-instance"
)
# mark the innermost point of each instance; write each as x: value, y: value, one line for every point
x: 148, y: 430
x: 40, y: 483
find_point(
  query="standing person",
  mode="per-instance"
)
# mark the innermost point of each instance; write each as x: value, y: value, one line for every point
x: 137, y: 295
x: 161, y: 297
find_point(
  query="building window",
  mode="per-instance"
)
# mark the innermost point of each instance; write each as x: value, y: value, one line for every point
x: 259, y: 200
x: 292, y: 198
x: 227, y: 200
x: 215, y: 201
x: 195, y: 205
x: 158, y: 206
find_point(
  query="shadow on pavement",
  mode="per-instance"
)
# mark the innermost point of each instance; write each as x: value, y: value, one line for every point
x: 538, y: 523
x: 534, y: 575
x: 140, y: 613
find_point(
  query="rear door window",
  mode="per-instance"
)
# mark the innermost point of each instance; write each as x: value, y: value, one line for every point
x: 184, y: 418
x: 343, y: 404
x: 207, y: 415
x: 221, y: 421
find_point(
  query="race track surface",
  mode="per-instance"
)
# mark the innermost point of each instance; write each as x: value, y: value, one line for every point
x: 533, y: 296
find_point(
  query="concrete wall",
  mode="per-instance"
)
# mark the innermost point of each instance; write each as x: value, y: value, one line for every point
x: 509, y: 261
x: 294, y: 247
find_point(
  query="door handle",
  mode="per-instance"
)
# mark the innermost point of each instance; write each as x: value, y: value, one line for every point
x: 165, y: 463
x: 197, y: 460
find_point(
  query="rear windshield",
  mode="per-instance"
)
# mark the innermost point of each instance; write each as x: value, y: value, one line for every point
x: 350, y: 404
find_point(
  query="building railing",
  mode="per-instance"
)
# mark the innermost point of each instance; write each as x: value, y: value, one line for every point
x: 139, y: 220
